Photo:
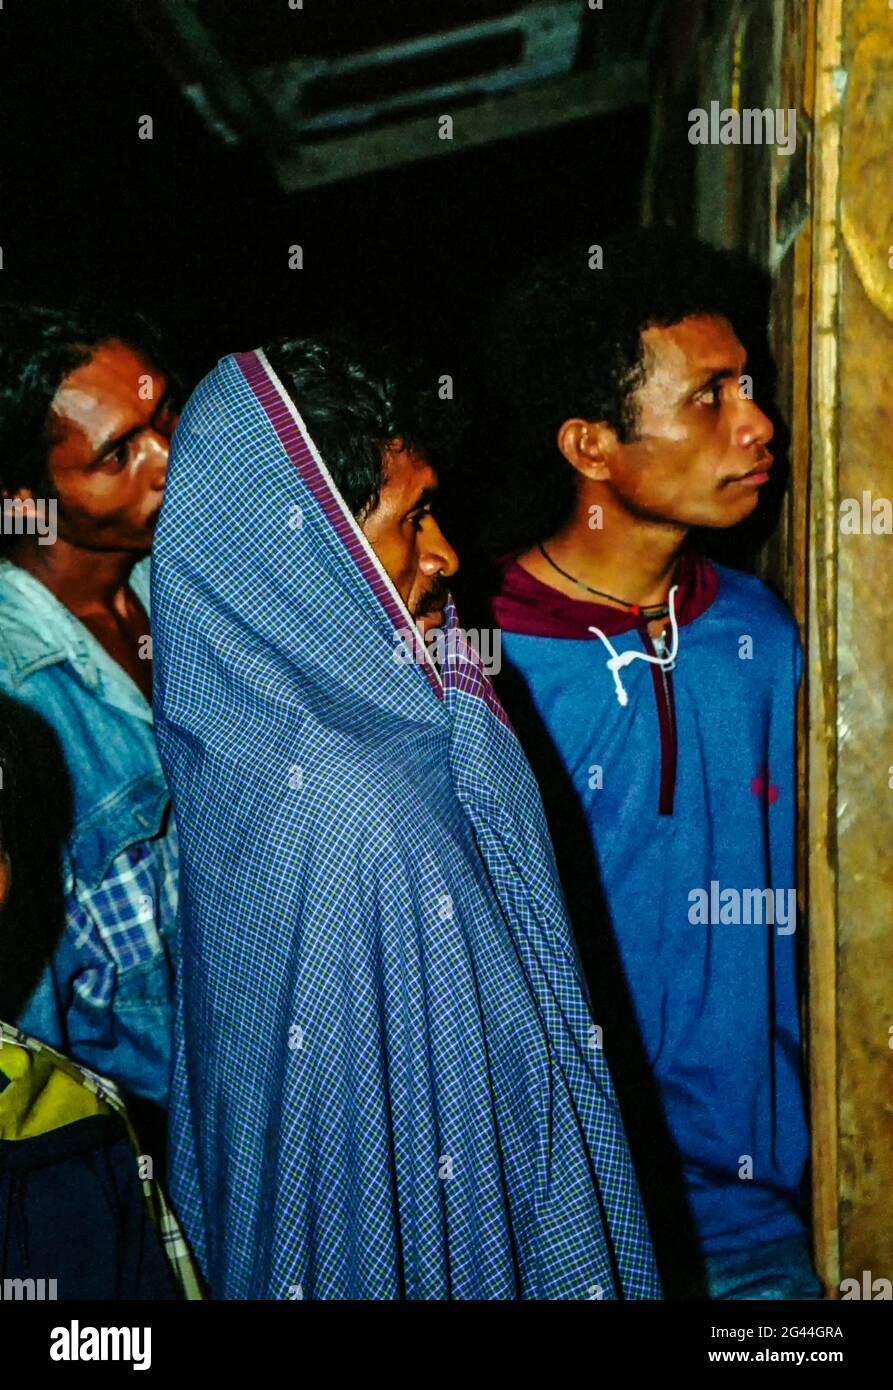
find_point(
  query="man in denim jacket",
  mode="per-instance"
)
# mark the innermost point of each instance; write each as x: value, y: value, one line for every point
x: 86, y: 418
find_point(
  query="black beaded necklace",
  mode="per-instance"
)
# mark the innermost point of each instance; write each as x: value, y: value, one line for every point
x: 651, y: 612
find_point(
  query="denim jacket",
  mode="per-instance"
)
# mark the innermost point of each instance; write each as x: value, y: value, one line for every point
x: 106, y: 996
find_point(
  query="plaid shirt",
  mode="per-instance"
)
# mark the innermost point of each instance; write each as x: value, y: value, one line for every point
x: 128, y: 919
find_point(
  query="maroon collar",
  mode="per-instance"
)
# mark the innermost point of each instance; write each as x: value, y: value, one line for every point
x: 527, y: 605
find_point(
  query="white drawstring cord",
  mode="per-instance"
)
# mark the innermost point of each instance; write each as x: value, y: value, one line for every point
x: 617, y: 660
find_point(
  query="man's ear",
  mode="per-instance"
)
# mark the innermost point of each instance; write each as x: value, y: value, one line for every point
x: 589, y: 446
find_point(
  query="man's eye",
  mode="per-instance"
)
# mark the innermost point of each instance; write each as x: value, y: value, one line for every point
x: 419, y: 517
x: 112, y: 461
x: 711, y: 396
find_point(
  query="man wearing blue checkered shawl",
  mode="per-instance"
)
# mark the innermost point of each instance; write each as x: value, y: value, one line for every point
x: 387, y: 1083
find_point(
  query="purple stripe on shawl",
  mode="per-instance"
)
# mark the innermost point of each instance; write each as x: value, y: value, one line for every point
x: 297, y: 449
x: 462, y: 668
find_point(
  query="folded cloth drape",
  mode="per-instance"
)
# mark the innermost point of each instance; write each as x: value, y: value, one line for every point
x: 386, y: 1079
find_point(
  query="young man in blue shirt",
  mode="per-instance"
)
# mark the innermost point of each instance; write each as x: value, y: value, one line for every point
x: 655, y: 693
x: 86, y: 418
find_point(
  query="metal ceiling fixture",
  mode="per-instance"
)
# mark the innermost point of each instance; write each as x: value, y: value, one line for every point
x: 333, y: 112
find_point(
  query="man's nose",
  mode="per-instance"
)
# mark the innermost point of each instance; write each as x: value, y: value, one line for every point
x: 755, y: 427
x: 439, y: 556
x: 155, y: 455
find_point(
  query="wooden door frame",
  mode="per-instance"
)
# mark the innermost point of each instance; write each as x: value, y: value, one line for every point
x: 821, y: 743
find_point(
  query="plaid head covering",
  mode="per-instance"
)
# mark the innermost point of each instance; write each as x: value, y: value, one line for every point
x: 387, y: 1083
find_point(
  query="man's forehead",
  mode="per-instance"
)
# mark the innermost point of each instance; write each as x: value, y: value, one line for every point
x: 114, y: 371
x: 408, y: 473
x: 698, y: 345
x: 116, y: 391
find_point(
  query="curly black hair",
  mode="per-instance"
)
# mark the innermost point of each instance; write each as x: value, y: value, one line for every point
x: 566, y: 341
x: 356, y: 401
x: 39, y: 348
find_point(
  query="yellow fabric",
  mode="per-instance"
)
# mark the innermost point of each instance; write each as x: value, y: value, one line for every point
x: 40, y: 1097
x: 48, y: 1090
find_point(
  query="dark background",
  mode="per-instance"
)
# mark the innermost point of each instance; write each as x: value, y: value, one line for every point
x: 197, y: 234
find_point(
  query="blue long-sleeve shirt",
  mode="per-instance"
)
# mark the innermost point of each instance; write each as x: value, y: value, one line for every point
x: 672, y: 814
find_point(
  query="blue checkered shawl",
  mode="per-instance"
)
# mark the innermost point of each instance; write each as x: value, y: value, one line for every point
x: 386, y: 1083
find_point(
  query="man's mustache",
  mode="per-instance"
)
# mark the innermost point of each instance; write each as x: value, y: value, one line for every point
x: 434, y: 600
